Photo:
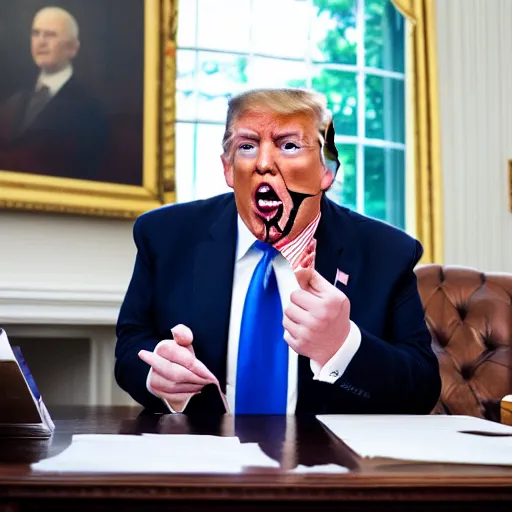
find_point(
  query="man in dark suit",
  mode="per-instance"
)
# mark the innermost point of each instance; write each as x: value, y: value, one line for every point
x: 53, y: 127
x: 274, y: 295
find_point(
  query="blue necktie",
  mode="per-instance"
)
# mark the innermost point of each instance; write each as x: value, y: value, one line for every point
x: 262, y: 367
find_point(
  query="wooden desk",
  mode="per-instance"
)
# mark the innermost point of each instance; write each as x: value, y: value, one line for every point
x: 396, y: 488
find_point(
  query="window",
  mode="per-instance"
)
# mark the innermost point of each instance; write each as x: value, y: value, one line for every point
x: 350, y: 50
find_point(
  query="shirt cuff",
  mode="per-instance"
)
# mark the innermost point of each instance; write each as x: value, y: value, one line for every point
x: 148, y: 387
x: 336, y: 366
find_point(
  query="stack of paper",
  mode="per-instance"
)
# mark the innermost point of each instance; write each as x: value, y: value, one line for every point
x: 429, y: 439
x: 153, y: 453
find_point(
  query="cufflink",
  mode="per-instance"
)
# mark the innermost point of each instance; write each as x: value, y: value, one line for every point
x: 335, y: 373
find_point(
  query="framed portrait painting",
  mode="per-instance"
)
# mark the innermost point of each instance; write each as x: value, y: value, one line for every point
x: 87, y: 105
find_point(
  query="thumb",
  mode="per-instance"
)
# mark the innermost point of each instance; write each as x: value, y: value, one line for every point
x: 182, y: 335
x: 304, y: 276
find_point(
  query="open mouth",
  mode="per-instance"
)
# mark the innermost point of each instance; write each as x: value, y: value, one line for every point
x: 267, y: 201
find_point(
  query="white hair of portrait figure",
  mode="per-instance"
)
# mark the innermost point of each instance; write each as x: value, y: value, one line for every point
x: 57, y: 12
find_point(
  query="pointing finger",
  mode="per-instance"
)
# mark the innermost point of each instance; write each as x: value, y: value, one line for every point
x: 184, y: 357
x: 171, y: 371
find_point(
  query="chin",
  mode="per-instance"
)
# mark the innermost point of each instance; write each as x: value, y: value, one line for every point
x: 256, y: 226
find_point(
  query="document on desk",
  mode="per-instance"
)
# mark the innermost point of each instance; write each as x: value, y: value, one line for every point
x: 423, y: 439
x: 156, y: 454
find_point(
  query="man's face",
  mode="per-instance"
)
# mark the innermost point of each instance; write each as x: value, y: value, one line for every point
x: 276, y: 171
x: 52, y: 47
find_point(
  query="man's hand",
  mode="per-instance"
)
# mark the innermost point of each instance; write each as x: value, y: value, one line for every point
x: 177, y: 374
x: 317, y: 321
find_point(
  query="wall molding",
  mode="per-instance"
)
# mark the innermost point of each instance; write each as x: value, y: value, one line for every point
x: 44, y: 305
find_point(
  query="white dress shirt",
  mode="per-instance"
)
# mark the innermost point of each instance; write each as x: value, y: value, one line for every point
x: 247, y: 257
x: 55, y: 81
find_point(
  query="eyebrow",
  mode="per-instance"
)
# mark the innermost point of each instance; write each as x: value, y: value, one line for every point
x: 247, y: 134
x: 284, y: 135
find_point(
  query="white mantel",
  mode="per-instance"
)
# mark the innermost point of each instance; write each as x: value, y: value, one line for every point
x: 24, y: 304
x: 62, y: 281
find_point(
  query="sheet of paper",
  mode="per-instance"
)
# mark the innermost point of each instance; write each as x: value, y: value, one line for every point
x: 6, y: 353
x: 156, y: 454
x: 452, y: 448
x: 424, y: 438
x: 323, y: 468
x: 344, y: 425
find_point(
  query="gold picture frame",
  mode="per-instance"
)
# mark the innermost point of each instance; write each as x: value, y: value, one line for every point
x: 23, y: 191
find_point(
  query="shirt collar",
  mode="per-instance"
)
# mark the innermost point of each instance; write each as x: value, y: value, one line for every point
x: 245, y: 239
x: 55, y: 81
x: 291, y: 250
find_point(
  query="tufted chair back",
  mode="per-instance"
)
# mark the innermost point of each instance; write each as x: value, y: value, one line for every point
x: 469, y: 315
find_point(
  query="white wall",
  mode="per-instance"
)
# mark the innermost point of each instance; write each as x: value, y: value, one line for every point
x: 475, y: 74
x: 57, y: 252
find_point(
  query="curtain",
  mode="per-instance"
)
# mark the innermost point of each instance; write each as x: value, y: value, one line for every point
x: 424, y: 187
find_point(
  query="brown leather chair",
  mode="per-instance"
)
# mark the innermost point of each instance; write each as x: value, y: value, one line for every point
x: 469, y: 314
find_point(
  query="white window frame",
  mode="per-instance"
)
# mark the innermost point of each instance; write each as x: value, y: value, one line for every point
x: 360, y: 71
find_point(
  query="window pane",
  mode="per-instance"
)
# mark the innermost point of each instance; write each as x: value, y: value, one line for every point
x: 185, y: 85
x: 280, y: 27
x: 385, y: 108
x: 220, y: 76
x: 343, y: 191
x: 384, y: 36
x: 341, y: 92
x: 384, y: 185
x: 333, y: 34
x: 223, y: 24
x: 278, y: 73
x: 187, y: 24
x: 209, y: 176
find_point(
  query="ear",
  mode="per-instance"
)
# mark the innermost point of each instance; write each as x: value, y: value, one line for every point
x: 327, y: 179
x: 228, y: 170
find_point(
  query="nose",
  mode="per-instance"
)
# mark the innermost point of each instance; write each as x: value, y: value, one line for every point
x: 265, y: 162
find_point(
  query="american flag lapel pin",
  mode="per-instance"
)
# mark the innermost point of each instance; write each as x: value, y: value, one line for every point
x: 341, y: 277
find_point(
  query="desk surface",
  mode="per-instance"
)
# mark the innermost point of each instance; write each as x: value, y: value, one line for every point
x: 307, y: 443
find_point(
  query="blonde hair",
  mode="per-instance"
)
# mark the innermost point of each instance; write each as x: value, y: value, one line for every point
x: 285, y: 101
x: 69, y: 20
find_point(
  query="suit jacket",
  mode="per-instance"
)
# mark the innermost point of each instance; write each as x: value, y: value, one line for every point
x: 67, y: 139
x: 183, y: 274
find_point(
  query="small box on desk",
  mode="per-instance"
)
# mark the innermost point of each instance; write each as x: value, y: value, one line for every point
x: 23, y: 413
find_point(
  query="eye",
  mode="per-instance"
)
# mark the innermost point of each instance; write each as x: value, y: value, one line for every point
x: 290, y: 147
x: 247, y: 149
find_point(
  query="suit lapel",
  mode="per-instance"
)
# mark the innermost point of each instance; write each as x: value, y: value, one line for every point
x: 337, y: 247
x: 212, y: 286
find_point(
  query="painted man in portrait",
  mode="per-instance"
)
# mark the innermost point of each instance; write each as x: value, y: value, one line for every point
x: 53, y: 126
